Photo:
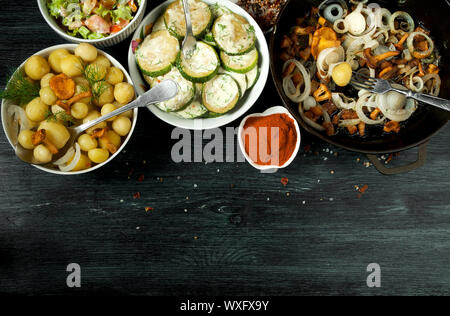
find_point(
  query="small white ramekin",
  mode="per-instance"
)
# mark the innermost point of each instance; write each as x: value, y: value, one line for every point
x: 102, y: 42
x: 270, y: 111
x: 71, y: 48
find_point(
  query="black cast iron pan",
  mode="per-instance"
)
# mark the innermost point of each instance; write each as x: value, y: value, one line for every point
x: 425, y: 123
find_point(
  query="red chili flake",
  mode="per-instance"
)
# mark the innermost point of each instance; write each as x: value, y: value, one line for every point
x: 308, y: 148
x: 363, y: 189
x: 137, y: 195
x: 284, y: 181
x: 388, y: 160
x: 148, y: 209
x: 141, y: 178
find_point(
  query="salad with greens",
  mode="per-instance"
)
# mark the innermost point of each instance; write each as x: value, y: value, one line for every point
x: 93, y: 19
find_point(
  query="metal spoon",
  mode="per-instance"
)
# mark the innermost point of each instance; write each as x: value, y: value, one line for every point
x: 166, y: 90
x: 189, y: 42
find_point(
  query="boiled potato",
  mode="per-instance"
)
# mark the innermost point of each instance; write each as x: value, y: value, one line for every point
x: 48, y: 96
x: 83, y: 163
x: 98, y: 155
x: 87, y: 143
x: 121, y: 125
x: 79, y: 110
x: 123, y: 92
x: 102, y: 60
x: 93, y: 116
x: 71, y: 65
x: 86, y: 51
x: 25, y: 139
x: 96, y: 72
x: 57, y: 133
x: 36, y: 110
x: 45, y: 81
x: 114, y: 76
x: 108, y: 108
x: 36, y: 67
x: 57, y: 109
x: 42, y: 154
x: 104, y: 93
x: 81, y: 81
x: 80, y: 89
x: 111, y: 137
x: 55, y: 59
x: 342, y: 74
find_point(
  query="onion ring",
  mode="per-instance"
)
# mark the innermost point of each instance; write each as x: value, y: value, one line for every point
x: 380, y: 15
x: 287, y: 83
x: 408, y: 19
x: 67, y: 156
x: 74, y: 162
x: 418, y: 54
x: 336, y: 27
x: 328, y: 12
x: 436, y: 85
x: 363, y: 102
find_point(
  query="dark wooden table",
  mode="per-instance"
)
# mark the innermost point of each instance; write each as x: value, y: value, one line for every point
x: 219, y: 228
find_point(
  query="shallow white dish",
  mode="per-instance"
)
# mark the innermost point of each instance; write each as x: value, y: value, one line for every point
x: 243, y: 105
x: 71, y: 48
x: 102, y: 42
x: 270, y: 111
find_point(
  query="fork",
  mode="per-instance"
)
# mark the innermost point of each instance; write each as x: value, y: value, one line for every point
x: 362, y: 81
x: 189, y: 42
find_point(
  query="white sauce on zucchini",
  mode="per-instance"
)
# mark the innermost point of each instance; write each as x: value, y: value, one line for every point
x: 159, y: 25
x: 185, y: 90
x: 203, y: 60
x: 200, y: 17
x: 221, y: 91
x: 158, y: 50
x: 241, y: 61
x: 232, y: 35
x: 240, y: 78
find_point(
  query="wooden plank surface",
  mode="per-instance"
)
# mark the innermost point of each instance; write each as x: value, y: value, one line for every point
x: 218, y: 228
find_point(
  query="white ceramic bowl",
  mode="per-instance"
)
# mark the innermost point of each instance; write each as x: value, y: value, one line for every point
x: 243, y: 105
x: 270, y: 111
x: 71, y: 48
x: 102, y: 42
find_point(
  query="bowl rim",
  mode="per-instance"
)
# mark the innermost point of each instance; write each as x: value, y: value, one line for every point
x: 115, y: 63
x: 202, y: 123
x: 272, y: 110
x: 55, y: 27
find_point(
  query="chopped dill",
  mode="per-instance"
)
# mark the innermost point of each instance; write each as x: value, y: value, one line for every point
x: 98, y: 88
x: 93, y: 74
x: 60, y: 115
x: 19, y: 88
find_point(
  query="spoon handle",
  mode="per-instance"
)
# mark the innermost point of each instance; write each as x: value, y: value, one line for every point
x: 165, y: 90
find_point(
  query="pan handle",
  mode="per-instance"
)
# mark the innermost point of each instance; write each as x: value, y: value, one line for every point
x: 421, y: 158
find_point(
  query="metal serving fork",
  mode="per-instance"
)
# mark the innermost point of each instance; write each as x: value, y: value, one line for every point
x: 362, y: 81
x: 189, y: 42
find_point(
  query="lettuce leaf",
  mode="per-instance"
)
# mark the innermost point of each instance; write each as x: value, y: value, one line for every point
x: 122, y: 12
x: 55, y: 6
x: 102, y: 11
